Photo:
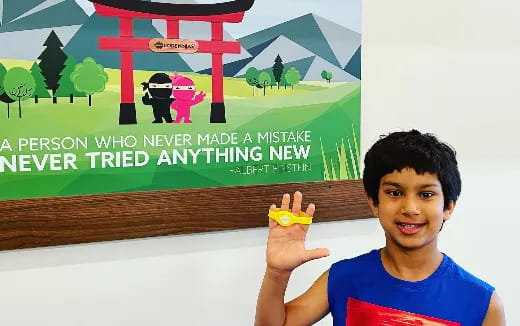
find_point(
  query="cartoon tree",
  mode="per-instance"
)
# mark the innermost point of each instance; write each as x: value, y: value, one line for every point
x: 3, y: 96
x: 278, y: 69
x: 327, y: 75
x: 52, y: 63
x: 264, y: 79
x: 273, y: 80
x: 293, y: 76
x: 66, y: 86
x: 252, y: 77
x: 283, y: 80
x: 41, y: 87
x: 89, y: 77
x: 19, y: 85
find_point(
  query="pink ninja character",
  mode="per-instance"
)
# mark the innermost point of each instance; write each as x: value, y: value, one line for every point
x: 183, y: 89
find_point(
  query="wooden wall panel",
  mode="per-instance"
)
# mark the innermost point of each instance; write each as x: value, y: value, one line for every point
x: 40, y: 222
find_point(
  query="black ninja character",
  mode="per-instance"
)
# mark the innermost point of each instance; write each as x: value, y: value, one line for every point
x: 159, y: 87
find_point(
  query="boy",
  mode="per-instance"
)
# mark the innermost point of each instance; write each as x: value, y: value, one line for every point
x: 412, y: 184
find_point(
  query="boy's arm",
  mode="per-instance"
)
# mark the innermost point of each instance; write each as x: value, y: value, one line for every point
x: 495, y: 315
x: 286, y: 251
x: 306, y: 309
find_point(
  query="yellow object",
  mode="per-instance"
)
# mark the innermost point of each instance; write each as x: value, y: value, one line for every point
x: 286, y: 218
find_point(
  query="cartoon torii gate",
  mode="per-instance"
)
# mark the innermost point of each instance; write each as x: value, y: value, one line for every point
x: 217, y: 14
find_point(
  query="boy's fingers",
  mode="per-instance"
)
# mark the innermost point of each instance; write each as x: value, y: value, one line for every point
x: 315, y: 254
x: 297, y: 202
x: 286, y: 199
x: 310, y: 210
x: 272, y: 222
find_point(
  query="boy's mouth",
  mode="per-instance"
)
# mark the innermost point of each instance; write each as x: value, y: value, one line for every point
x: 410, y: 228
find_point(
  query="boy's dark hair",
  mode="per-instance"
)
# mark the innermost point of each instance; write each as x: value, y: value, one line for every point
x: 412, y: 149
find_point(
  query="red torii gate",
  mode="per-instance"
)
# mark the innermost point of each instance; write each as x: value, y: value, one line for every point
x: 217, y: 14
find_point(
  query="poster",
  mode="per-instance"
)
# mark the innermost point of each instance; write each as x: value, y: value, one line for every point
x: 204, y: 94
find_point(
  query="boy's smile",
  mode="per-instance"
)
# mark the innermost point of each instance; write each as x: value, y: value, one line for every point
x: 411, y: 208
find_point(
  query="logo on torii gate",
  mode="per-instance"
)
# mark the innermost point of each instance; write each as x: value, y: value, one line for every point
x: 217, y: 14
x: 162, y: 45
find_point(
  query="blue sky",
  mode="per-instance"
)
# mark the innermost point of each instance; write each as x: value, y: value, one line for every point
x: 266, y: 13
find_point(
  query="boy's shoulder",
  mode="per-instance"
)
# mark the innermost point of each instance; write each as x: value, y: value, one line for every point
x: 459, y: 275
x: 368, y: 267
x: 355, y: 265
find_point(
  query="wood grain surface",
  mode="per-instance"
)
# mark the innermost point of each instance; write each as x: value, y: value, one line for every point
x: 54, y: 221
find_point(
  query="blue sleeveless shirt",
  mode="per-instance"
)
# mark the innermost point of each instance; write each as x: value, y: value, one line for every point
x: 362, y: 293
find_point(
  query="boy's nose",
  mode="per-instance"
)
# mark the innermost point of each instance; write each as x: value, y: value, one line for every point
x: 409, y: 207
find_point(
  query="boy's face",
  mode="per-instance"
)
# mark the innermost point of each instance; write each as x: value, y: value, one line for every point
x: 411, y: 208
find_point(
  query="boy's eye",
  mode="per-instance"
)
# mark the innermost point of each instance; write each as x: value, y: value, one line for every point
x: 427, y: 194
x: 394, y: 193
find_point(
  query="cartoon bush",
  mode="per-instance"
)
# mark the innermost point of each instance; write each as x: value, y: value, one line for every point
x: 89, y: 77
x: 264, y: 79
x: 19, y: 85
x: 252, y: 77
x: 293, y: 76
x: 327, y: 75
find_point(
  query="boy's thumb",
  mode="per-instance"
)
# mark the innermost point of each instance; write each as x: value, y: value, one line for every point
x: 315, y: 254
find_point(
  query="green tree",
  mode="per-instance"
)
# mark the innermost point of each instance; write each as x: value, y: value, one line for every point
x: 3, y: 96
x: 52, y: 63
x: 19, y: 85
x: 252, y: 77
x: 278, y: 69
x: 66, y: 87
x: 264, y: 79
x: 293, y: 76
x: 89, y: 77
x: 327, y: 75
x: 41, y: 87
x: 283, y: 80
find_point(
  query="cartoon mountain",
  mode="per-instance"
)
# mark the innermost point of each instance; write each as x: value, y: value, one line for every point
x: 308, y: 63
x: 287, y: 49
x: 328, y: 40
x: 85, y: 44
x: 310, y: 43
x: 22, y: 15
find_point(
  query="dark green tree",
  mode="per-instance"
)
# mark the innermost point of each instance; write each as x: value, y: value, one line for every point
x: 52, y: 63
x: 278, y: 69
x: 89, y: 77
x: 273, y: 80
x: 66, y: 87
x: 41, y: 87
x: 19, y: 85
x: 252, y: 77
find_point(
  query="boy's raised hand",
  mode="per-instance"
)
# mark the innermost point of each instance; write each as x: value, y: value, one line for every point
x: 286, y: 244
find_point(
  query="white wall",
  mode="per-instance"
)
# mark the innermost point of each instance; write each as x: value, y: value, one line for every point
x: 451, y: 67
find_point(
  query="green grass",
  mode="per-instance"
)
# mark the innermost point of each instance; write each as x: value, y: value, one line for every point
x: 330, y: 112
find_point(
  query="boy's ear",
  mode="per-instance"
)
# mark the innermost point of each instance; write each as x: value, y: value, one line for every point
x: 449, y: 210
x: 373, y: 206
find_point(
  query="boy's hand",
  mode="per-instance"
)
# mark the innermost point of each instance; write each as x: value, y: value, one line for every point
x: 286, y: 244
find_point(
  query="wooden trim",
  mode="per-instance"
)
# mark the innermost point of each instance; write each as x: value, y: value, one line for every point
x: 54, y: 221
